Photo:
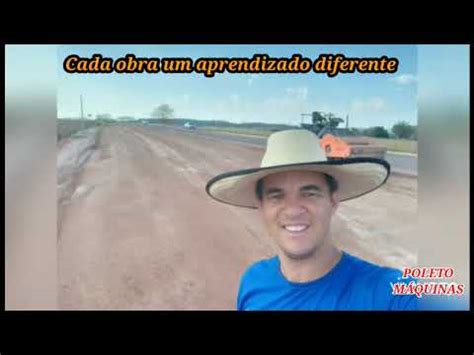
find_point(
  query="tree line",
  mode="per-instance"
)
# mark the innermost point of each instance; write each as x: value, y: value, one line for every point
x: 400, y: 130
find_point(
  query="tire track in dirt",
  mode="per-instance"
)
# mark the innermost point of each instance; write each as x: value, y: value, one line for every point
x: 146, y: 239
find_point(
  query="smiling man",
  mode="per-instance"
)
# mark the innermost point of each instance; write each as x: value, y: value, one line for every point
x: 297, y: 192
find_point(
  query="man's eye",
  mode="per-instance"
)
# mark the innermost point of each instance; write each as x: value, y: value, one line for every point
x: 310, y: 194
x: 275, y: 197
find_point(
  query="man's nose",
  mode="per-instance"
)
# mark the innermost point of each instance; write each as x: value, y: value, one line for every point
x: 293, y: 208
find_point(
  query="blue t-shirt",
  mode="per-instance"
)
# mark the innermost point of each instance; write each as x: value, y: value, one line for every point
x: 353, y: 284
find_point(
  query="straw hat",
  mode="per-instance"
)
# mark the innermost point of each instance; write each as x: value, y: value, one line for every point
x: 296, y: 150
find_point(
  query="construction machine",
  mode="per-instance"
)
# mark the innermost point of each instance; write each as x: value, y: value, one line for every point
x: 341, y: 143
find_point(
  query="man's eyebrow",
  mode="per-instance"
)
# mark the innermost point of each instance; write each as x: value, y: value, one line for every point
x: 311, y: 188
x: 272, y: 190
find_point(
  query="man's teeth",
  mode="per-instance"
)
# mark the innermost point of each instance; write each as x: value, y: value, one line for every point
x: 296, y: 228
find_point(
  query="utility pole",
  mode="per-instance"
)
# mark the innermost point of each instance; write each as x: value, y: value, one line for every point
x: 82, y: 113
x: 347, y: 121
x: 82, y: 110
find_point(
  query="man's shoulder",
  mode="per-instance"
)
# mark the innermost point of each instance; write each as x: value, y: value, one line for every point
x: 377, y: 282
x: 257, y: 276
x: 261, y: 268
x: 366, y: 270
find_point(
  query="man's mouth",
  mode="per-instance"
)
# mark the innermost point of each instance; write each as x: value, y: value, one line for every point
x: 295, y: 228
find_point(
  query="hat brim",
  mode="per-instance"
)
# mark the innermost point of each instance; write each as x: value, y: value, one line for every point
x: 355, y: 177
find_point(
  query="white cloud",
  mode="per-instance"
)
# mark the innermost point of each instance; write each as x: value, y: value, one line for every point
x: 252, y: 78
x: 234, y: 98
x: 284, y: 109
x: 373, y: 104
x: 404, y: 79
x: 298, y: 93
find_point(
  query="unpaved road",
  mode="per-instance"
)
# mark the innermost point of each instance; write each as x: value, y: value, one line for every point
x: 141, y: 233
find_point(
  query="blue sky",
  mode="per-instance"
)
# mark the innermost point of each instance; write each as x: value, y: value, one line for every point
x: 444, y: 72
x: 368, y: 99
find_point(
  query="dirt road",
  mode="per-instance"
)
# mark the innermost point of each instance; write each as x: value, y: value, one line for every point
x: 141, y: 233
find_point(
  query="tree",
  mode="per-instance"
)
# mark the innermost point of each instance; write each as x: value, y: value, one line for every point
x: 334, y: 121
x: 357, y: 131
x: 162, y: 111
x: 125, y: 118
x: 377, y: 132
x: 103, y: 116
x: 403, y: 130
x: 321, y: 120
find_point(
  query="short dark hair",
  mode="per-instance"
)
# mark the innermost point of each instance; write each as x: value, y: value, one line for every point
x: 332, y: 184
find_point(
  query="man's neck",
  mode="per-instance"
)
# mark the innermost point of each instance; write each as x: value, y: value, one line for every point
x: 314, y: 267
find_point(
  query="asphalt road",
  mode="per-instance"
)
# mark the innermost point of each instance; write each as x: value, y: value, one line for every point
x: 402, y: 163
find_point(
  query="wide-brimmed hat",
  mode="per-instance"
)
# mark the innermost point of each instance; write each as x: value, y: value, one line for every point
x: 299, y: 150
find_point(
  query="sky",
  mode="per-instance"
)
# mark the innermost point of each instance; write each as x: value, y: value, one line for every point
x: 368, y: 99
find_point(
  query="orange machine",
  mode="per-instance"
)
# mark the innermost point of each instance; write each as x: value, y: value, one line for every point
x: 341, y: 143
x: 337, y: 147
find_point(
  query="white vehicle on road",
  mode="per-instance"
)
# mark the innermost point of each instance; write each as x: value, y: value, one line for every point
x: 189, y: 126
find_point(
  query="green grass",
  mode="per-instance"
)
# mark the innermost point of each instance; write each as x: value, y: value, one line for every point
x: 239, y: 131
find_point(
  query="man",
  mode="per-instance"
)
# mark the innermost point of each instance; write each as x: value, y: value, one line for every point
x: 297, y: 191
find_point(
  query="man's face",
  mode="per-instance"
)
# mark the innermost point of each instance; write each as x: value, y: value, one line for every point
x: 297, y: 208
